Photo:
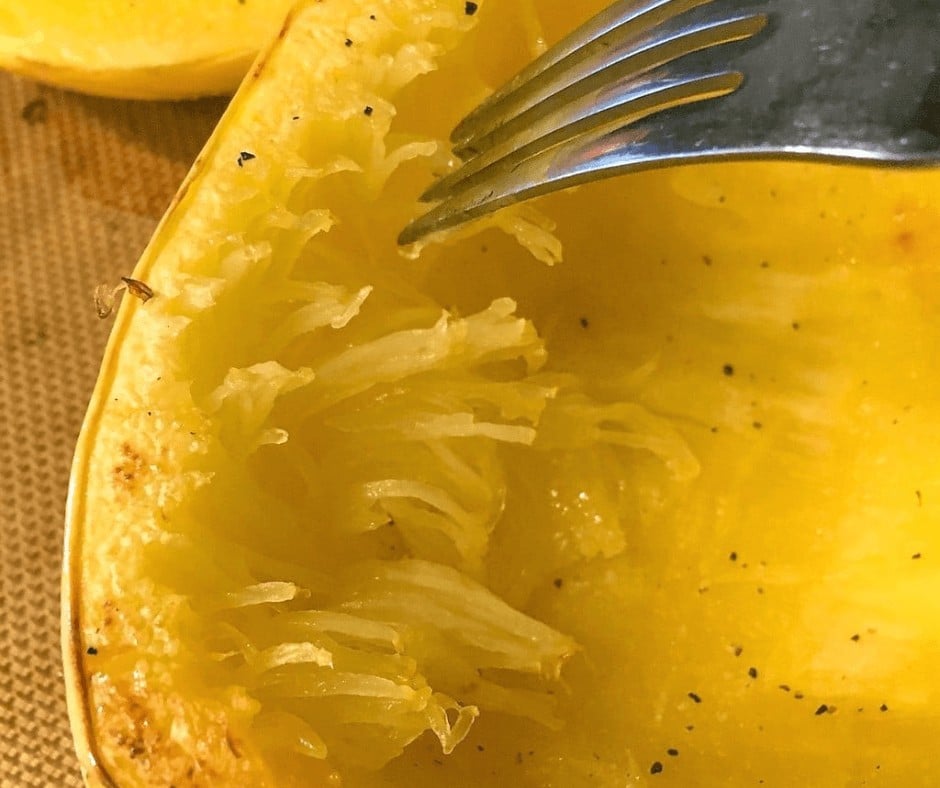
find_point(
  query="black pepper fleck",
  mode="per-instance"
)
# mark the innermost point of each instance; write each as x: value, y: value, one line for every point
x: 732, y: 556
x: 915, y: 556
x: 823, y: 708
x: 784, y: 687
x: 656, y: 768
x: 856, y: 637
x: 738, y: 650
x: 348, y: 42
x: 752, y: 672
x: 91, y: 651
x: 757, y: 425
x: 367, y: 110
x: 728, y: 369
x: 480, y: 748
x: 672, y: 751
x: 558, y: 582
x: 245, y: 156
x: 695, y: 698
x: 470, y: 8
x: 584, y: 322
x: 883, y: 707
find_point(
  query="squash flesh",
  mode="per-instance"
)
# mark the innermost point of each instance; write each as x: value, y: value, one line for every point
x: 808, y: 480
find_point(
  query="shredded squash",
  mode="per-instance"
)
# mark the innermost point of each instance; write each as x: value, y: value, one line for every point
x: 632, y: 486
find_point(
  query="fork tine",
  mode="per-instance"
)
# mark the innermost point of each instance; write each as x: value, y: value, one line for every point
x: 595, y: 101
x: 823, y: 83
x: 566, y: 164
x: 618, y: 58
x: 619, y: 19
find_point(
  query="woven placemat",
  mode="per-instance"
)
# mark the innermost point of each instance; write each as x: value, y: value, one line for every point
x: 83, y: 182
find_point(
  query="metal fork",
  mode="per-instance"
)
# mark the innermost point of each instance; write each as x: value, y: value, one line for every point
x: 653, y: 83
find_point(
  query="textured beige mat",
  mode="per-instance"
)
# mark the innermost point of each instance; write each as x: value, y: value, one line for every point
x: 83, y: 182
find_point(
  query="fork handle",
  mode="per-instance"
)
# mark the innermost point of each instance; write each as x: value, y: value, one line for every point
x: 842, y: 79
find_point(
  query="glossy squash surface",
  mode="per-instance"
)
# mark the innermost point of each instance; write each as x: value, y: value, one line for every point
x: 634, y: 485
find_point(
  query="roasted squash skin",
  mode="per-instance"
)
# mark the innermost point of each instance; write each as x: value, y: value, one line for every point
x: 144, y: 49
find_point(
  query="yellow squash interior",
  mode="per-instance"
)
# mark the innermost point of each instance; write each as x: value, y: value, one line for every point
x: 662, y: 513
x: 149, y: 49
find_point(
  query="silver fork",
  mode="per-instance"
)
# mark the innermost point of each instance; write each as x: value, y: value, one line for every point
x: 653, y: 83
